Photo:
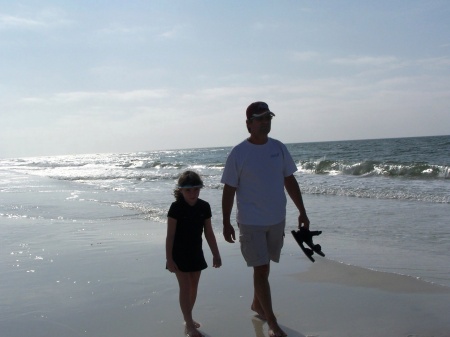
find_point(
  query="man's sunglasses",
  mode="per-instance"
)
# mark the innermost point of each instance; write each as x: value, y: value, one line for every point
x: 262, y: 118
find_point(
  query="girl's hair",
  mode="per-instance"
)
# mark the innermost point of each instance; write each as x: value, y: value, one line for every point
x: 187, y: 179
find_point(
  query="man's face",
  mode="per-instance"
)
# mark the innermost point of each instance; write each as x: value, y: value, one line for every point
x: 260, y: 125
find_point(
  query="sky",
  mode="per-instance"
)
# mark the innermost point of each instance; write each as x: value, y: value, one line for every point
x: 111, y: 76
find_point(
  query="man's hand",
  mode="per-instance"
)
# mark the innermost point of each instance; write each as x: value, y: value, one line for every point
x: 303, y: 219
x: 228, y: 233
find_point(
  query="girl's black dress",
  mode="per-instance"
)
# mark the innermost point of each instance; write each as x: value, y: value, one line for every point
x: 187, y: 246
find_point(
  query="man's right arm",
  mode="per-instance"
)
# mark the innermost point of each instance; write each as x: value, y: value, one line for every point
x: 227, y: 206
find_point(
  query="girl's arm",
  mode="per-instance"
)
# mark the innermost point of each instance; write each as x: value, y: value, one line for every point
x: 171, y: 227
x: 212, y: 243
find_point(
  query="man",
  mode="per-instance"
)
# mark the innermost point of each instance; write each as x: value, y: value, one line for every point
x: 257, y: 171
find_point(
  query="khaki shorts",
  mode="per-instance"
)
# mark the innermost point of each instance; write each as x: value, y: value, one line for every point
x: 260, y: 244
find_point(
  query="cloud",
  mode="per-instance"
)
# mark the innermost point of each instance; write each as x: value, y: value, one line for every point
x: 120, y: 105
x: 307, y: 110
x: 169, y: 34
x: 9, y: 21
x: 366, y: 61
x: 304, y: 56
x: 173, y: 32
x: 435, y: 63
x: 45, y: 18
x: 142, y: 34
x: 122, y: 30
x: 102, y: 96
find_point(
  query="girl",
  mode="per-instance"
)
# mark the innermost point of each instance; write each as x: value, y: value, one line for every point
x: 188, y: 217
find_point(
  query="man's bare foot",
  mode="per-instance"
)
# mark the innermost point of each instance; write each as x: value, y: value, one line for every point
x: 191, y: 331
x: 259, y: 311
x: 275, y: 331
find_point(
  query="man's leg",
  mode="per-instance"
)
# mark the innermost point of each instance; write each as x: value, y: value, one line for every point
x: 263, y: 299
x: 257, y: 243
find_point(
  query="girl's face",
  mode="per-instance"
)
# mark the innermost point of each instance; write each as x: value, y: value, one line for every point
x: 190, y: 194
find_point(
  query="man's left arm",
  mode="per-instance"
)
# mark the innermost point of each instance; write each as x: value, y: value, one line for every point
x: 293, y: 189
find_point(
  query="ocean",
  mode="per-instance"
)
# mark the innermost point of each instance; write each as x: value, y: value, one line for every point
x: 382, y: 204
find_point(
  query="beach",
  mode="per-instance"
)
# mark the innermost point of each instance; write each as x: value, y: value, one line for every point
x: 82, y: 250
x: 108, y: 278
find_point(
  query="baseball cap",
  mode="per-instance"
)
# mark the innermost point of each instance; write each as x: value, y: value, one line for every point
x: 258, y: 109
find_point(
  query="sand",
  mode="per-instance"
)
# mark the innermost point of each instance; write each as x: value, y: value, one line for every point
x: 109, y: 279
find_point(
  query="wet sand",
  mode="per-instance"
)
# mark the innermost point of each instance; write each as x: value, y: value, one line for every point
x: 109, y: 279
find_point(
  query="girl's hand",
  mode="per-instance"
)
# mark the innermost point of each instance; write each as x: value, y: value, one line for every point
x: 172, y: 266
x: 217, y: 261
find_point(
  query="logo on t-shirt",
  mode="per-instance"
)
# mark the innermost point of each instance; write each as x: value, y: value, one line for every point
x: 275, y: 155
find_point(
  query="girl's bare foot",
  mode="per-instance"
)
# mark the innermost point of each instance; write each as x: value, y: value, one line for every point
x: 196, y: 324
x: 191, y: 331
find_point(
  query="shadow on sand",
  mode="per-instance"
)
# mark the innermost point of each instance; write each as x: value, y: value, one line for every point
x: 260, y: 330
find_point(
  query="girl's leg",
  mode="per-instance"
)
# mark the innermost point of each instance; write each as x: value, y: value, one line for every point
x: 194, y: 278
x: 188, y: 283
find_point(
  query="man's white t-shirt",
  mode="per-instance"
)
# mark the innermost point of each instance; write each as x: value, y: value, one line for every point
x: 258, y: 172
